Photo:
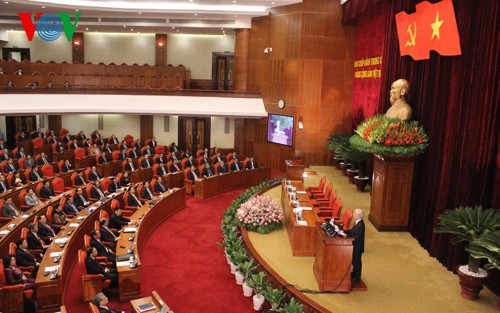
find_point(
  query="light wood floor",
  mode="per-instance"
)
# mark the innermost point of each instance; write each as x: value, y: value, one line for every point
x: 399, y: 273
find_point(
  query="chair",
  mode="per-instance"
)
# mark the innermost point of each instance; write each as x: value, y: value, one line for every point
x: 159, y: 149
x: 3, y: 220
x: 93, y: 308
x: 155, y: 169
x: 10, y: 179
x: 26, y: 269
x: 88, y: 189
x: 183, y: 163
x: 37, y: 191
x: 188, y: 183
x: 27, y: 174
x: 2, y: 166
x: 139, y: 161
x: 323, y: 198
x: 129, y: 139
x: 86, y: 174
x: 24, y: 234
x: 37, y: 143
x: 105, y: 184
x: 20, y: 163
x: 79, y: 153
x: 73, y: 181
x: 245, y: 162
x: 102, y: 259
x: 199, y: 153
x: 200, y: 170
x: 92, y: 283
x: 115, y: 155
x: 212, y: 159
x: 125, y: 200
x: 58, y: 185
x: 14, y: 152
x: 229, y: 156
x: 319, y: 188
x: 331, y: 212
x: 199, y: 159
x: 12, y: 295
x: 47, y: 171
x: 346, y: 219
x: 216, y: 168
x: 24, y: 206
x: 59, y: 166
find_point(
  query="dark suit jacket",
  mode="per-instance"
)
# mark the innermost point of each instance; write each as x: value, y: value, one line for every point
x: 79, y: 181
x: 173, y: 169
x: 4, y: 157
x: 129, y: 168
x: 161, y: 160
x: 144, y: 164
x: 66, y: 167
x: 66, y: 139
x: 153, y: 143
x: 24, y: 259
x: 249, y: 165
x: 93, y: 266
x: 358, y: 233
x: 68, y: 209
x: 44, y: 231
x: 33, y: 242
x: 205, y: 161
x: 222, y: 169
x: 159, y: 171
x: 117, y: 222
x: 18, y: 155
x: 94, y: 176
x: 37, y: 134
x: 101, y: 249
x: 205, y: 172
x: 132, y: 155
x: 124, y: 181
x: 124, y: 147
x: 191, y: 176
x: 104, y: 310
x: 160, y: 187
x: 217, y: 160
x: 132, y: 201
x: 107, y: 150
x: 103, y: 159
x: 190, y: 163
x: 113, y: 187
x: 95, y: 194
x: 40, y: 161
x: 106, y: 235
x: 233, y: 166
x: 2, y: 189
x: 78, y: 201
x: 145, y: 194
x: 173, y: 149
x: 46, y: 192
x: 10, y: 169
x: 148, y: 152
x: 33, y: 176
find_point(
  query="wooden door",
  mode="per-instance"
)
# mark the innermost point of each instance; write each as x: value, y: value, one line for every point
x: 194, y: 133
x: 16, y: 124
x: 222, y: 71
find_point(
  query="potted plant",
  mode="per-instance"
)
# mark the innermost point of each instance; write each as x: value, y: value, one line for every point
x: 292, y: 307
x: 469, y: 225
x: 487, y: 247
x: 246, y: 269
x: 274, y: 297
x: 258, y: 283
x: 335, y: 143
x: 261, y: 214
x: 237, y: 256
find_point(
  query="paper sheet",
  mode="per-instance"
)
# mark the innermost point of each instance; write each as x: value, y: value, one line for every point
x: 56, y: 254
x: 73, y: 225
x: 130, y: 230
x: 305, y: 208
x: 302, y: 223
x: 61, y: 240
x: 122, y: 263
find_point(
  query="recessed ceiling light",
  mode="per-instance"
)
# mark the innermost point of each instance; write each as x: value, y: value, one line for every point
x: 131, y: 29
x: 234, y: 1
x: 173, y: 27
x: 139, y: 13
x: 273, y: 2
x: 196, y: 14
x: 124, y: 26
x: 6, y: 2
x: 43, y: 7
x: 77, y: 10
x: 86, y: 28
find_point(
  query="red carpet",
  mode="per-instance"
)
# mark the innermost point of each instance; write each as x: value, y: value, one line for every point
x: 182, y: 262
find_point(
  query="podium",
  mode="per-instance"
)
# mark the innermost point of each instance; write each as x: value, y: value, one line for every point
x: 333, y: 263
x: 294, y: 170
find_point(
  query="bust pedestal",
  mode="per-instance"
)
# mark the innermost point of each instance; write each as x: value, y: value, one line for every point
x: 391, y: 192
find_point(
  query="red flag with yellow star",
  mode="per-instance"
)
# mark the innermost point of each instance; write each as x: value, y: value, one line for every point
x: 431, y: 27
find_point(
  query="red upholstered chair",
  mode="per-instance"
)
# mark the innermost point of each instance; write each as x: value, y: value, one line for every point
x: 59, y: 165
x: 93, y: 308
x: 155, y: 169
x: 79, y: 153
x: 143, y: 149
x: 114, y: 204
x: 20, y: 163
x: 139, y: 193
x: 199, y: 159
x: 37, y: 191
x: 152, y: 185
x: 2, y: 166
x: 63, y: 132
x: 230, y: 164
x: 26, y: 269
x: 10, y: 179
x: 139, y: 161
x: 86, y: 174
x: 159, y: 149
x: 17, y: 136
x: 183, y: 163
x: 47, y: 171
x: 14, y: 152
x: 346, y: 219
x: 127, y: 207
x: 92, y: 283
x: 323, y: 198
x: 88, y: 189
x: 27, y: 174
x: 37, y: 143
x: 50, y: 211
x: 245, y: 161
x: 188, y: 183
x: 216, y: 168
x: 115, y: 155
x: 319, y: 188
x: 200, y: 170
x: 212, y: 159
x: 12, y: 295
x: 89, y: 150
x: 21, y: 196
x: 124, y: 162
x: 199, y: 152
x: 58, y: 185
x: 105, y: 184
x: 229, y: 156
x: 331, y: 212
x: 70, y: 144
x: 102, y: 259
x: 129, y: 139
x: 3, y: 219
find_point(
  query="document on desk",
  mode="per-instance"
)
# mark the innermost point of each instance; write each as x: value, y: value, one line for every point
x: 56, y: 254
x: 61, y: 240
x: 122, y: 263
x: 73, y: 225
x: 25, y: 215
x: 302, y: 223
x: 49, y: 269
x: 4, y: 232
x: 299, y: 191
x: 130, y: 229
x: 305, y: 208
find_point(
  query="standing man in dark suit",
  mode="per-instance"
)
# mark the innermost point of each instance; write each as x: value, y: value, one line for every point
x: 153, y: 143
x: 358, y: 233
x: 93, y: 267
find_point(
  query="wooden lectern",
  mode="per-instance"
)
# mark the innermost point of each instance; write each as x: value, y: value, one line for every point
x: 294, y: 170
x: 333, y: 263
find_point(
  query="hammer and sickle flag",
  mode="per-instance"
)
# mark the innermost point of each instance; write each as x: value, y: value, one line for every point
x: 431, y: 27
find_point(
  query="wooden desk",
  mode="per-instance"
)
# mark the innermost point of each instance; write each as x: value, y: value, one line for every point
x: 173, y: 180
x: 111, y: 168
x: 155, y: 299
x: 152, y: 217
x: 332, y: 265
x: 67, y: 154
x: 46, y: 148
x: 302, y: 237
x: 87, y: 161
x: 142, y: 174
x: 211, y: 186
x: 28, y: 146
x: 294, y: 170
x: 50, y: 292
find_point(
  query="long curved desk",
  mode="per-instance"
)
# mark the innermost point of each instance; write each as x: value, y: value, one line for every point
x: 217, y: 184
x: 148, y: 218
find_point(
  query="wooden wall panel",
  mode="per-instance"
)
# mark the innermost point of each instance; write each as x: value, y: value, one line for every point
x: 310, y: 67
x: 241, y: 59
x: 147, y: 126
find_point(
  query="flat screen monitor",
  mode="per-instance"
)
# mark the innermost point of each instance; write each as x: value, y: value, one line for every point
x: 280, y: 129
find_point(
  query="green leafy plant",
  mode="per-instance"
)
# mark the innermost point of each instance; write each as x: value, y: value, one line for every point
x: 274, y: 297
x: 487, y: 247
x: 258, y: 283
x: 292, y: 307
x: 247, y: 269
x: 469, y: 224
x: 238, y: 255
x: 337, y: 143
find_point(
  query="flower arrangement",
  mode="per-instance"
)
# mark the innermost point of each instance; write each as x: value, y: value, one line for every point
x: 261, y: 214
x: 390, y: 136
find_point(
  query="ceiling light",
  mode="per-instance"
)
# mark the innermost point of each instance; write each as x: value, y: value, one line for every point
x: 234, y: 1
x: 43, y: 7
x: 124, y: 26
x: 131, y: 29
x: 86, y: 28
x: 139, y: 13
x: 273, y: 2
x: 76, y: 10
x: 196, y: 14
x: 173, y: 27
x: 6, y: 2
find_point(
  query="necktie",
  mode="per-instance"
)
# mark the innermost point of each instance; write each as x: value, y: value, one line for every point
x: 29, y: 253
x: 237, y: 167
x: 149, y: 192
x: 109, y: 231
x: 74, y: 208
x: 12, y: 167
x: 194, y: 174
x: 162, y: 187
x: 100, y: 193
x: 104, y: 159
x: 147, y: 162
x: 136, y: 200
x: 96, y: 175
x: 22, y: 154
x: 176, y: 167
x: 37, y: 176
x: 16, y: 212
x: 45, y: 160
x: 3, y: 186
x: 50, y: 228
x: 252, y: 165
x: 163, y: 170
x: 39, y: 240
x: 131, y: 166
x: 83, y: 199
x: 209, y: 172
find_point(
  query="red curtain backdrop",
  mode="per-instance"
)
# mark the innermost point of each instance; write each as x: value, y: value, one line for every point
x: 457, y: 101
x: 369, y: 43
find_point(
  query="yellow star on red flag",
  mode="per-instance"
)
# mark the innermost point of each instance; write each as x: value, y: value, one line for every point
x: 435, y: 26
